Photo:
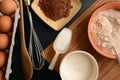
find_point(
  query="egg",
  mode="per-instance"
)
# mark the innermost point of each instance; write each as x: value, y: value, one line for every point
x: 6, y: 24
x: 8, y: 7
x: 3, y: 59
x: 2, y: 75
x: 4, y: 41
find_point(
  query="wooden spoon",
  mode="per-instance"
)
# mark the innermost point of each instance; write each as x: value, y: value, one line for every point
x: 25, y: 59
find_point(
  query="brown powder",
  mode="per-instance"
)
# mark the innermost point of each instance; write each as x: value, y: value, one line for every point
x: 55, y: 9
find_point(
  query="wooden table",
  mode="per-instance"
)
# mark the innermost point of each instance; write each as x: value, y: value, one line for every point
x: 108, y: 69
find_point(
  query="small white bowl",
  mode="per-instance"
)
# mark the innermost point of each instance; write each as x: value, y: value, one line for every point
x: 79, y: 65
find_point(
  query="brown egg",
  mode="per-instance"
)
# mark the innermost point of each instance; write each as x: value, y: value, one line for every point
x: 2, y: 75
x: 3, y: 59
x: 6, y: 24
x: 4, y: 41
x: 8, y: 7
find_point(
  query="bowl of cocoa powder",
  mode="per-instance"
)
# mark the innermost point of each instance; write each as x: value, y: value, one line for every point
x: 104, y: 29
x: 56, y: 13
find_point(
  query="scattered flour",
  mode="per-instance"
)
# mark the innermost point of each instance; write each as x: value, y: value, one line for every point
x: 106, y: 30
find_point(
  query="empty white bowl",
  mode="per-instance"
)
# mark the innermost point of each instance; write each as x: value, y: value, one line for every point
x: 79, y: 65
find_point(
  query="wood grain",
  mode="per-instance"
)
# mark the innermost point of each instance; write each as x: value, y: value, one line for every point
x: 108, y: 69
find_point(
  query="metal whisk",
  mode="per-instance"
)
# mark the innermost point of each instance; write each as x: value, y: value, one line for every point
x: 34, y: 43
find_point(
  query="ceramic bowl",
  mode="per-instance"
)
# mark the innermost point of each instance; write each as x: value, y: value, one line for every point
x: 79, y: 65
x: 111, y: 5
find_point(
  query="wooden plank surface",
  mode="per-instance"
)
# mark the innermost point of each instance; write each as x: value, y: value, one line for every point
x: 108, y: 69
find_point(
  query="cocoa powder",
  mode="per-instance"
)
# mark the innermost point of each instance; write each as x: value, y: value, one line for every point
x: 55, y: 9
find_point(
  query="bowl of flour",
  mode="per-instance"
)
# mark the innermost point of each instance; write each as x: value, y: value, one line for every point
x: 104, y: 29
x: 79, y: 65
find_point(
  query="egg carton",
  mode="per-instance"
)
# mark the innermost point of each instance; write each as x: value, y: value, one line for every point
x: 16, y: 17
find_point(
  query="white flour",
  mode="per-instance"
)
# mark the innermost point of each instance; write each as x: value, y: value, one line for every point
x: 106, y: 30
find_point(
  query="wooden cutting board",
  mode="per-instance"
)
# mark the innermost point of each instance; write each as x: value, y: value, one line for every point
x: 108, y: 69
